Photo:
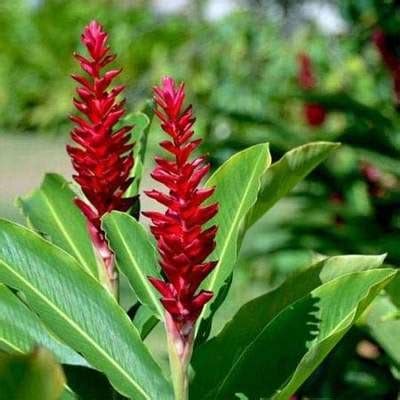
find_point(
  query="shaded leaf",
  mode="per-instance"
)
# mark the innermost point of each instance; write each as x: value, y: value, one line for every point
x: 35, y: 376
x: 317, y: 317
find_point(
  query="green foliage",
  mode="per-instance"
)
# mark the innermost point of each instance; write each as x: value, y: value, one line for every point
x: 286, y: 173
x: 237, y: 185
x: 79, y: 311
x: 247, y: 97
x: 136, y: 256
x: 51, y: 211
x: 21, y: 330
x: 311, y: 312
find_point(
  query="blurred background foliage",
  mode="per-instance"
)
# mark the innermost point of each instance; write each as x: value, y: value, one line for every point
x: 286, y: 72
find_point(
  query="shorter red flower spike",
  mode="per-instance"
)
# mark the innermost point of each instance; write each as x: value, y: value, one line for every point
x: 305, y: 77
x: 314, y: 113
x: 183, y: 243
x: 103, y: 158
x: 388, y: 50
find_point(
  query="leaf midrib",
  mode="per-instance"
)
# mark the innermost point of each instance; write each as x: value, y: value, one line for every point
x: 145, y: 282
x: 77, y: 328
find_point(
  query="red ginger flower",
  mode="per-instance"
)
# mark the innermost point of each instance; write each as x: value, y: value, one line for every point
x: 314, y: 113
x: 103, y: 158
x: 183, y: 243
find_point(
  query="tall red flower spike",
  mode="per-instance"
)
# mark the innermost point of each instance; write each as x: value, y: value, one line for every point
x: 389, y: 53
x: 103, y: 158
x: 183, y: 243
x: 315, y: 114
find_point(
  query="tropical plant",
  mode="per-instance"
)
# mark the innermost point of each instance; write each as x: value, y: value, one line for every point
x: 60, y: 282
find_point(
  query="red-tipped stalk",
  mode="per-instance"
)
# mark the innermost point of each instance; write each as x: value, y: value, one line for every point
x: 183, y: 243
x: 103, y: 156
x: 314, y: 113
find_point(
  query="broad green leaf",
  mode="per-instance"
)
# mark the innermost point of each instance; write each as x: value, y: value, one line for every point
x: 51, y: 211
x: 237, y: 184
x: 340, y: 303
x: 286, y: 173
x: 21, y: 330
x: 316, y: 322
x: 383, y: 322
x: 136, y: 256
x: 80, y: 311
x: 141, y: 123
x: 35, y: 376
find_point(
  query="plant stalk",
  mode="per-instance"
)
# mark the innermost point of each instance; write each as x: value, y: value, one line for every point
x: 180, y: 352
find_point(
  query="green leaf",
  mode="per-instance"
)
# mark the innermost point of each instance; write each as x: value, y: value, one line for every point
x: 259, y: 335
x: 141, y: 123
x: 21, y: 330
x: 335, y: 317
x: 286, y: 173
x: 79, y: 311
x: 383, y: 322
x: 237, y: 184
x: 51, y: 211
x: 35, y: 376
x: 136, y: 256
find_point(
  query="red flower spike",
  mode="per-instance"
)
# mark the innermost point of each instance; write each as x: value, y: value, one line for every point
x: 314, y: 113
x: 103, y: 158
x: 183, y: 243
x: 305, y: 77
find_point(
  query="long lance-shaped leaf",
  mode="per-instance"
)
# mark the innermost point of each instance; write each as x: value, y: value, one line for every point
x: 35, y: 376
x: 266, y: 362
x: 285, y: 174
x: 79, y: 311
x: 237, y: 184
x: 21, y: 330
x: 136, y: 256
x: 51, y: 211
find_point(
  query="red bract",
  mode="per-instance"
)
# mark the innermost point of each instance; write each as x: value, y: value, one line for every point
x: 389, y: 53
x: 103, y: 158
x: 314, y: 113
x: 183, y: 243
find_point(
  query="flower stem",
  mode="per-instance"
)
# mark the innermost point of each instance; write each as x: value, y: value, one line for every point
x: 180, y: 352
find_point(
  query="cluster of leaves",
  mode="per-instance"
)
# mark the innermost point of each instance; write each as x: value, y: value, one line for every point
x: 253, y: 96
x: 51, y: 295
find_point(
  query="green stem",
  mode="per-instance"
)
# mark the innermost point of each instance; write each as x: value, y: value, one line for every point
x: 179, y: 351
